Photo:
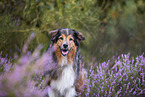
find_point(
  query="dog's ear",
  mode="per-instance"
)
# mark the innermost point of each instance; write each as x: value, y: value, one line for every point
x: 54, y: 35
x: 78, y: 36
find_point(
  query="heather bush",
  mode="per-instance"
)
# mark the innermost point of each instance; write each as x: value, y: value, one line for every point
x: 24, y: 77
x: 125, y: 78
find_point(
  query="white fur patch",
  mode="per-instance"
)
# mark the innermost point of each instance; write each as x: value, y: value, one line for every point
x: 64, y: 61
x: 71, y: 92
x: 51, y: 92
x: 64, y: 83
x: 67, y: 31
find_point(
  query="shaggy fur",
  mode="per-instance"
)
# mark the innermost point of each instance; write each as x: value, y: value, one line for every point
x: 68, y: 77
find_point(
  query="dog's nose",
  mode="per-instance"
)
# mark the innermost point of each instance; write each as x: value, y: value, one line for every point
x: 65, y: 45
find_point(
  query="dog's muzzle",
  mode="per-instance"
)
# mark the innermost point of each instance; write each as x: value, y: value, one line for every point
x: 65, y: 49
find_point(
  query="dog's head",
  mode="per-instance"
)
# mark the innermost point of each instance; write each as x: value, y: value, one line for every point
x: 66, y: 39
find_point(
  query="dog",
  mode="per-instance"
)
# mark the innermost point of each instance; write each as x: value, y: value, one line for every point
x: 69, y: 77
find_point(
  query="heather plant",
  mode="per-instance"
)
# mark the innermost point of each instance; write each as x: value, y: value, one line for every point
x: 5, y: 63
x: 125, y: 78
x: 24, y: 77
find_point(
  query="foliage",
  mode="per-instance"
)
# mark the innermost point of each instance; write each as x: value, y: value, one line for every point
x: 111, y: 27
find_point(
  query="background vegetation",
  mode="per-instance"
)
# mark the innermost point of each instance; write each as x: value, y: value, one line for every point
x: 111, y: 28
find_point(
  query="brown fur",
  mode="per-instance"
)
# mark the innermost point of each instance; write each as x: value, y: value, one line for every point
x: 81, y: 83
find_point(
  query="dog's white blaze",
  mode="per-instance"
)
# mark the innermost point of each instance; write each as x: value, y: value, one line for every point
x: 65, y: 82
x: 67, y: 31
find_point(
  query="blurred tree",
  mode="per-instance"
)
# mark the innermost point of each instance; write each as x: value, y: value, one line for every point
x: 111, y: 27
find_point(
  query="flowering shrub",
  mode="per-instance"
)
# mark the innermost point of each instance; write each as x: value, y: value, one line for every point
x: 24, y: 76
x: 125, y: 78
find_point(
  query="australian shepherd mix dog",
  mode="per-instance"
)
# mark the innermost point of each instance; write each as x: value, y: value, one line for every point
x: 69, y: 77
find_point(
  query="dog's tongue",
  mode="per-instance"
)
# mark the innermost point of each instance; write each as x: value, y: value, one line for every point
x: 64, y: 52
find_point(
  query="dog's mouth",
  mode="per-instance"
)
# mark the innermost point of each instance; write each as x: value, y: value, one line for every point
x: 65, y: 52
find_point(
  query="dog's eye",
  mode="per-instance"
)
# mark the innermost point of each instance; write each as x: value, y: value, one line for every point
x: 61, y: 38
x: 70, y: 39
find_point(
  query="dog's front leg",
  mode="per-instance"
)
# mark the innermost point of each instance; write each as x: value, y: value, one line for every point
x: 71, y: 92
x: 52, y: 92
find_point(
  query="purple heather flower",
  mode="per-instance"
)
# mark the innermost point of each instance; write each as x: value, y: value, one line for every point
x: 142, y: 74
x: 105, y: 93
x: 87, y: 94
x: 126, y: 78
x: 124, y: 85
x: 1, y: 53
x: 139, y: 80
x: 88, y: 90
x: 128, y: 86
x: 113, y: 88
x: 141, y: 92
x: 131, y: 90
x: 91, y: 68
x: 134, y: 81
x: 92, y: 73
x: 118, y: 57
x: 122, y: 55
x: 93, y: 82
x: 118, y: 92
x: 3, y: 60
x: 134, y: 92
x: 132, y: 77
x: 120, y: 79
x: 110, y: 92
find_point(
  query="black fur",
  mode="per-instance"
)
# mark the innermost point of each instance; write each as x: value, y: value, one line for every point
x: 54, y: 38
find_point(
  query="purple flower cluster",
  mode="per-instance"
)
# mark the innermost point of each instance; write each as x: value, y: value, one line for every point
x: 5, y: 63
x: 125, y: 78
x: 24, y: 76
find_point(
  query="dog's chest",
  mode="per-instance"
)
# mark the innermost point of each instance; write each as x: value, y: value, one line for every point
x: 65, y: 81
